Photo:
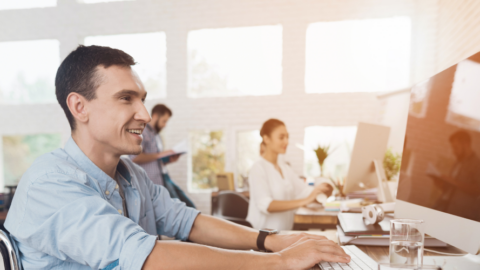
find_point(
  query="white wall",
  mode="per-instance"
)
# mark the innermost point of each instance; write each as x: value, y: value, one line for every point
x: 70, y: 22
x: 459, y: 31
x: 394, y: 115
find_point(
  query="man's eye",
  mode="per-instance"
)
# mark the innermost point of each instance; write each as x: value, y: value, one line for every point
x: 125, y: 98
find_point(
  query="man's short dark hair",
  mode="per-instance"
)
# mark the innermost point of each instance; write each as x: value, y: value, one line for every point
x: 161, y: 110
x: 461, y: 136
x: 78, y: 73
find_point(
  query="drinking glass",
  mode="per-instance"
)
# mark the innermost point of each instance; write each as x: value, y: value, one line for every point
x: 387, y: 266
x: 406, y: 242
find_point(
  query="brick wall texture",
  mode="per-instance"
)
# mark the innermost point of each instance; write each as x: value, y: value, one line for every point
x: 442, y: 33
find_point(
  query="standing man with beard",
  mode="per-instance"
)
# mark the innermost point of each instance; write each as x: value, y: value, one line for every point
x: 153, y: 158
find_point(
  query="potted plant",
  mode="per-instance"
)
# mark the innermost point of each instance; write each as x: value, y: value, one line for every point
x: 391, y: 165
x: 322, y: 153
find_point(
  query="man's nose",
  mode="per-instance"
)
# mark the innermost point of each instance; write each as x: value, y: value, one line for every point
x: 142, y: 114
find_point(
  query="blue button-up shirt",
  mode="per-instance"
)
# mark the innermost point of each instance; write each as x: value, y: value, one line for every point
x: 65, y: 214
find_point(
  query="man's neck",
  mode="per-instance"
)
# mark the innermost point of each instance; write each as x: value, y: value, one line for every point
x: 97, y: 153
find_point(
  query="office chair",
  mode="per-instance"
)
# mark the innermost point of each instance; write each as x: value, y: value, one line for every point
x: 9, y: 255
x: 232, y: 207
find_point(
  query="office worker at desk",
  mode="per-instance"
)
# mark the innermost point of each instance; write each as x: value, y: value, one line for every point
x: 85, y: 207
x: 275, y: 189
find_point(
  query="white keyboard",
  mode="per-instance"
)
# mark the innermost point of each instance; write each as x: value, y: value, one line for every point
x: 359, y: 261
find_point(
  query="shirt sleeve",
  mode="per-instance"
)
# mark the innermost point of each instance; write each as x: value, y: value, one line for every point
x: 302, y: 190
x: 172, y: 217
x: 260, y: 192
x: 70, y: 220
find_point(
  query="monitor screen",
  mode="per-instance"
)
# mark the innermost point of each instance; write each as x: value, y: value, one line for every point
x: 441, y: 159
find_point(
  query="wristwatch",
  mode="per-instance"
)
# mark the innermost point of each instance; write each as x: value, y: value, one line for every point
x: 263, y: 233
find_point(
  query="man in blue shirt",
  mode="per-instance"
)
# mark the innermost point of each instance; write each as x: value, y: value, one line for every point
x: 85, y: 207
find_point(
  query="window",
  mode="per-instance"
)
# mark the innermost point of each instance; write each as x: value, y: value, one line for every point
x: 28, y: 71
x: 248, y: 152
x: 100, y: 1
x: 235, y: 61
x: 24, y: 4
x: 19, y: 152
x: 340, y: 139
x: 419, y: 98
x: 149, y: 51
x: 358, y: 56
x: 463, y: 106
x: 207, y: 158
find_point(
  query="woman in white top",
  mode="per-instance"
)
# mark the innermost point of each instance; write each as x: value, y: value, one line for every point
x: 276, y: 191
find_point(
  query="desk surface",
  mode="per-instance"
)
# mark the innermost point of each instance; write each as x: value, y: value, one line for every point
x: 379, y: 254
x: 307, y: 218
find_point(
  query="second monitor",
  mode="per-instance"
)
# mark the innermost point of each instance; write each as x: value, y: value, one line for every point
x: 371, y: 144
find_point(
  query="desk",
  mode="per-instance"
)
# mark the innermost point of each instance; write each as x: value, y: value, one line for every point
x: 379, y: 254
x: 306, y: 218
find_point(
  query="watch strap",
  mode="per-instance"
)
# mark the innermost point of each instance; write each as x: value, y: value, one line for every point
x: 262, y: 235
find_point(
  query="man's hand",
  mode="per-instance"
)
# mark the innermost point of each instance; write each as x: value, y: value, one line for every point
x: 174, y: 158
x: 278, y: 242
x: 295, y: 251
x: 307, y: 252
x: 165, y: 153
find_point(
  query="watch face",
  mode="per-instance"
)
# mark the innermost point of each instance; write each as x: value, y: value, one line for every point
x: 269, y: 231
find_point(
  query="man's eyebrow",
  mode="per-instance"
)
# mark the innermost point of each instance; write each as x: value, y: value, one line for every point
x: 129, y: 92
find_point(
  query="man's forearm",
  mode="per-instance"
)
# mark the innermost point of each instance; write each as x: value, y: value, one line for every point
x: 296, y: 251
x: 145, y: 158
x: 216, y: 232
x: 179, y: 255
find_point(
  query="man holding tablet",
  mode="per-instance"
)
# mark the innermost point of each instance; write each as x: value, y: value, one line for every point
x: 154, y: 159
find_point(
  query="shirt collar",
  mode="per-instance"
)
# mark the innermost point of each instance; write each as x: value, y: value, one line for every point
x: 105, y: 181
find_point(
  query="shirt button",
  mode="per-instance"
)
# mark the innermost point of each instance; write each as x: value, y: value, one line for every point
x: 119, y: 211
x: 107, y: 192
x: 116, y: 187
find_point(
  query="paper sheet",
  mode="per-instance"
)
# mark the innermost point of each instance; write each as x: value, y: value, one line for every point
x: 181, y: 147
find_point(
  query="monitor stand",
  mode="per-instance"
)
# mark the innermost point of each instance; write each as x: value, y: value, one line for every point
x: 384, y: 194
x: 468, y: 261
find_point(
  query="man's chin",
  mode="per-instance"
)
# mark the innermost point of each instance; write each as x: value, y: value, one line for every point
x: 134, y: 151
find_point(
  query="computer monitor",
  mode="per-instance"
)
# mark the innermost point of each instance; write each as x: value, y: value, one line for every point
x: 440, y: 175
x: 370, y: 144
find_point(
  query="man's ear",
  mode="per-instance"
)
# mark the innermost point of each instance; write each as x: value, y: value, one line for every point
x: 77, y: 105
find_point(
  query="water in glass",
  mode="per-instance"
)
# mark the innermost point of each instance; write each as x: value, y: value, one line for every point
x: 406, y: 252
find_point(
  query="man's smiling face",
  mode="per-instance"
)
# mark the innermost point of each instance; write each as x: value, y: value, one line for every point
x: 117, y: 116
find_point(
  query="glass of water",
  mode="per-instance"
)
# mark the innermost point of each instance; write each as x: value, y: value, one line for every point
x: 387, y: 266
x: 406, y: 242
